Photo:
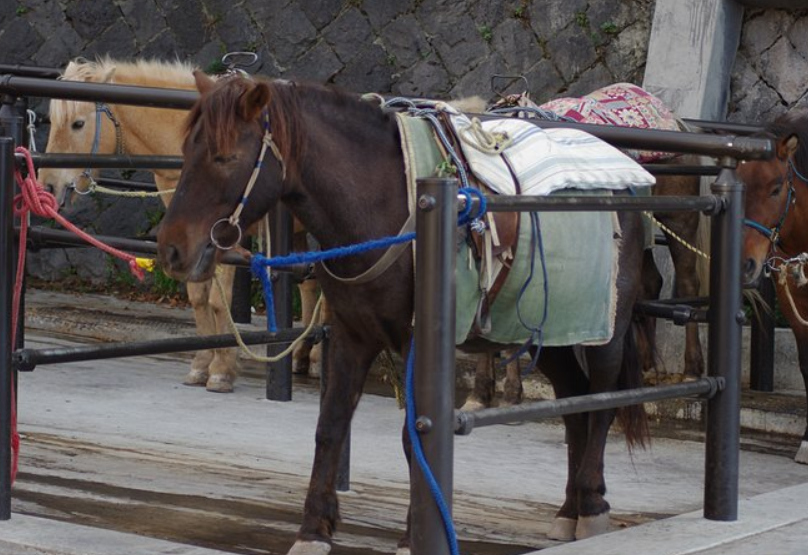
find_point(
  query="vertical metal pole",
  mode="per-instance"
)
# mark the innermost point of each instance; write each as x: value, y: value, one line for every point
x: 12, y: 124
x: 279, y: 374
x: 724, y: 359
x: 343, y: 482
x: 6, y: 296
x: 761, y: 356
x: 434, y: 380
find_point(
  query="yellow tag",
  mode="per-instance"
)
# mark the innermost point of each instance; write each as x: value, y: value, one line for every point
x: 145, y: 263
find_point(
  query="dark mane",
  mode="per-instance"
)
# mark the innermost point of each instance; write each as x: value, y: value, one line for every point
x: 794, y: 122
x: 218, y: 114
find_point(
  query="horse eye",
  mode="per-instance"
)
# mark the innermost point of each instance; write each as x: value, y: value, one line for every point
x: 222, y: 159
x: 78, y: 124
x: 776, y: 190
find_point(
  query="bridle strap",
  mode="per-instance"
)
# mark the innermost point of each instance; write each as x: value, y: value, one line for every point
x: 102, y: 108
x: 382, y: 264
x: 773, y: 233
x: 267, y: 143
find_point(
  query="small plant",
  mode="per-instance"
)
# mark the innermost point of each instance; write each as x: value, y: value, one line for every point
x: 215, y: 67
x: 486, y: 33
x: 446, y: 168
x: 164, y: 285
x: 609, y: 28
x: 22, y: 10
x: 520, y: 12
x: 581, y: 19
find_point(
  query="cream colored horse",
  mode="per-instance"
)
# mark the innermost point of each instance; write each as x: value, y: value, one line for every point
x: 135, y: 130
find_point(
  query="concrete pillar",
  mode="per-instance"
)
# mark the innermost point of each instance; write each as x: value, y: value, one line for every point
x: 690, y: 55
x: 691, y: 52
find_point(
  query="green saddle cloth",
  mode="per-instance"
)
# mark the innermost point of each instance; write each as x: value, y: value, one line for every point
x: 579, y: 253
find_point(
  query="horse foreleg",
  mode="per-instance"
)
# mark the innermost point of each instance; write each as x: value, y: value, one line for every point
x: 512, y: 391
x: 198, y: 296
x: 224, y: 366
x: 482, y: 394
x: 646, y: 325
x: 568, y: 380
x: 686, y: 280
x: 349, y: 362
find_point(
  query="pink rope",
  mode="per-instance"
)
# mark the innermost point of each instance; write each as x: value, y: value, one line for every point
x: 33, y: 198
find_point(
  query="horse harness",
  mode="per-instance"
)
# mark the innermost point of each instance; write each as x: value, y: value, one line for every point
x: 120, y: 147
x: 773, y: 233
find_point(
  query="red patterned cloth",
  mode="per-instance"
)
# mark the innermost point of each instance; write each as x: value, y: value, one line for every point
x: 620, y: 104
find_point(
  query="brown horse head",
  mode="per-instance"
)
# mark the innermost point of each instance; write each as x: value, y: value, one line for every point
x: 225, y: 132
x: 776, y: 196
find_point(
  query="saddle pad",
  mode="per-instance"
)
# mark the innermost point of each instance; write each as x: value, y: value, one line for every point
x: 580, y: 253
x: 543, y: 160
x: 580, y: 272
x: 622, y: 104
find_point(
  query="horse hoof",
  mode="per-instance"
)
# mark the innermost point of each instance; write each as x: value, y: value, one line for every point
x: 589, y: 526
x: 472, y: 404
x: 562, y: 529
x: 310, y: 548
x: 802, y: 455
x: 219, y: 384
x: 196, y: 377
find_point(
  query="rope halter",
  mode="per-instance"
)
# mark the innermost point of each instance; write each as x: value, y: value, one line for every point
x: 267, y: 143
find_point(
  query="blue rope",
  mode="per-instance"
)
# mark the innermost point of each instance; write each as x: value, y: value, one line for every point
x: 418, y: 453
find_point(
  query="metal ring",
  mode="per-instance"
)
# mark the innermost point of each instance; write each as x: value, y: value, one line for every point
x: 235, y: 60
x: 89, y: 189
x: 216, y: 243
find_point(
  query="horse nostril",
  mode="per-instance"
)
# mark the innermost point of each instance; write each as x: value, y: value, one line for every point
x: 171, y: 256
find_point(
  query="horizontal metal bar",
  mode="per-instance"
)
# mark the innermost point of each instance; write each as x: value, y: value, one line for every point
x: 60, y: 160
x: 734, y: 146
x: 465, y: 421
x: 677, y: 169
x: 31, y: 71
x: 103, y: 92
x: 725, y: 126
x: 506, y: 203
x: 679, y: 314
x: 27, y: 359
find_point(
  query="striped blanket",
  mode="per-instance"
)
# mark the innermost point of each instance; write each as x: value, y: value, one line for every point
x: 513, y: 156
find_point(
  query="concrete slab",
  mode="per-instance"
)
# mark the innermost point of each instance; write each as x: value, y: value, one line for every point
x: 776, y: 522
x: 120, y: 444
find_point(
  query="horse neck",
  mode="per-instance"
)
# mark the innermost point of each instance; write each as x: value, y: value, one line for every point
x: 352, y: 186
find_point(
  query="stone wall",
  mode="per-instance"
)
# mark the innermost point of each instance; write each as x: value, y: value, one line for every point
x: 435, y: 48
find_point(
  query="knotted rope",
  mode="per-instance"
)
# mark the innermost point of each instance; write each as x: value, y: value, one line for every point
x: 33, y: 198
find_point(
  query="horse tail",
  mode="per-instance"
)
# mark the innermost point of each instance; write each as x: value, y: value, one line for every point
x: 633, y: 419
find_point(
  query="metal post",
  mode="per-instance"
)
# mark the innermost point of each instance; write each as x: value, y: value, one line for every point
x: 6, y: 301
x: 724, y: 358
x: 434, y: 381
x: 279, y: 374
x: 12, y: 124
x: 761, y: 355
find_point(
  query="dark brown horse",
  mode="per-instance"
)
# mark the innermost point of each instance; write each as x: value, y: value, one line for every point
x: 336, y: 162
x: 776, y: 235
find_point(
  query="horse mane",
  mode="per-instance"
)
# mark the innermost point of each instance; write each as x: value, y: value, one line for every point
x: 794, y: 122
x: 145, y: 73
x: 218, y: 116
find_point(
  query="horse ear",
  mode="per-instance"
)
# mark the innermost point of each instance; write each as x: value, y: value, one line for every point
x: 787, y: 147
x: 254, y: 100
x: 203, y: 81
x: 107, y: 78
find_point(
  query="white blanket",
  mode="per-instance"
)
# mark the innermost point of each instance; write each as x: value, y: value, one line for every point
x: 543, y: 160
